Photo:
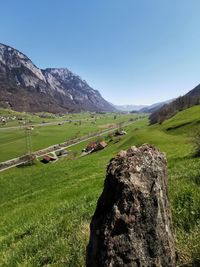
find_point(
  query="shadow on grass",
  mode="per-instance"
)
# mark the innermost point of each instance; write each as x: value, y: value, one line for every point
x: 178, y: 126
x: 196, y: 155
x: 196, y: 180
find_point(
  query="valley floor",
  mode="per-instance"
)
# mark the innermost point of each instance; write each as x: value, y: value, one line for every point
x: 13, y: 141
x: 46, y: 209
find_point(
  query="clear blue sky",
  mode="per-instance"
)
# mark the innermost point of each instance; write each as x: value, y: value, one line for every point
x: 132, y: 51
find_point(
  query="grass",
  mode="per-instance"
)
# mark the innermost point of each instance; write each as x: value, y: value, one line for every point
x: 41, y: 117
x: 46, y: 209
x: 183, y: 121
x: 13, y: 141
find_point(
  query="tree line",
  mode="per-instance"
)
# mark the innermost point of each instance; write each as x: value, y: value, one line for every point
x: 169, y: 110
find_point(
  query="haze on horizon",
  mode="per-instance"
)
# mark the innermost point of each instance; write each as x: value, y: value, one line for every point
x: 133, y: 52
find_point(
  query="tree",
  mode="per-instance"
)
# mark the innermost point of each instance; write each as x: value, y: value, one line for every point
x: 169, y: 110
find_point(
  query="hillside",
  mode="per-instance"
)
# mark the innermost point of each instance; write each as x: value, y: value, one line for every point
x: 46, y: 209
x: 154, y: 107
x: 167, y: 111
x: 183, y: 121
x: 25, y: 87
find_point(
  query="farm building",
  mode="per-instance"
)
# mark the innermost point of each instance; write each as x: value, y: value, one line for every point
x: 120, y: 132
x: 48, y: 158
x: 91, y: 146
x: 100, y: 146
x: 95, y: 146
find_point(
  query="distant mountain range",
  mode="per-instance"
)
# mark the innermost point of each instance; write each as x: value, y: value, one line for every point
x: 25, y: 87
x: 142, y: 108
x: 128, y: 108
x: 152, y: 108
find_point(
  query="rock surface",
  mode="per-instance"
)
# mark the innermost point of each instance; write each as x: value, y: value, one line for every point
x: 25, y: 87
x: 132, y: 222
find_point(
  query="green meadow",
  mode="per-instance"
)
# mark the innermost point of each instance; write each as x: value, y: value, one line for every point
x: 37, y: 118
x: 13, y: 141
x: 46, y: 209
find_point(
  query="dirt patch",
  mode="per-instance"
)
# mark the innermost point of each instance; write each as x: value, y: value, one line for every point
x: 108, y: 125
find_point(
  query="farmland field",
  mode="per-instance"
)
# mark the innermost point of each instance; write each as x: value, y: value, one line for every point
x: 46, y: 209
x: 38, y: 118
x: 13, y: 141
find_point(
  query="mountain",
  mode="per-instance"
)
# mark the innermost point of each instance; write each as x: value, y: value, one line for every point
x: 152, y: 108
x: 183, y: 102
x: 194, y: 92
x: 25, y: 87
x: 128, y: 108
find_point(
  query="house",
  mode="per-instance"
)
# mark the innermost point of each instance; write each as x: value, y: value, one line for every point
x: 94, y: 146
x: 48, y: 158
x: 30, y: 128
x: 3, y: 120
x: 100, y: 146
x: 91, y: 147
x: 120, y: 132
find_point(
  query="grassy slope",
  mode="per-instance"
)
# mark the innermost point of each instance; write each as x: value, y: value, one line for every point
x: 46, y: 209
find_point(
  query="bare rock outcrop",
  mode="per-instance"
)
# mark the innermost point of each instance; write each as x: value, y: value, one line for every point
x: 25, y: 87
x: 132, y: 222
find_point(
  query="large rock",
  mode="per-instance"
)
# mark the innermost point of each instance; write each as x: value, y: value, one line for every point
x: 132, y: 223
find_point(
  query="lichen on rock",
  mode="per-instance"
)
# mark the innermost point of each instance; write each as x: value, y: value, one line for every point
x: 132, y: 222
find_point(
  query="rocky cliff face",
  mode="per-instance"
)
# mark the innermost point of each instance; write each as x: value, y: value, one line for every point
x: 25, y: 87
x: 131, y: 226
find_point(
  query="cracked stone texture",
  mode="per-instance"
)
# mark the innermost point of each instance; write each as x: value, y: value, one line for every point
x: 132, y: 222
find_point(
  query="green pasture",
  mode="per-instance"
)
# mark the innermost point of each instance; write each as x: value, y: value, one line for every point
x: 45, y: 117
x: 13, y: 141
x: 46, y: 209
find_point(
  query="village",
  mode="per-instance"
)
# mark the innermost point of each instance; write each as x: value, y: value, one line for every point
x: 51, y: 154
x: 91, y: 147
x: 4, y: 120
